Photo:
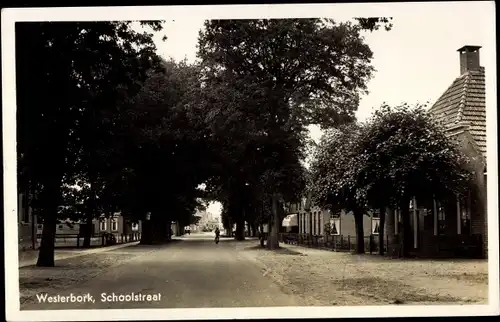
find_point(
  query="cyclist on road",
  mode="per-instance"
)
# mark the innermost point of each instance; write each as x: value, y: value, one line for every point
x: 217, y: 233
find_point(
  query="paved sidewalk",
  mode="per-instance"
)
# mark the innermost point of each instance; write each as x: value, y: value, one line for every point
x: 29, y: 258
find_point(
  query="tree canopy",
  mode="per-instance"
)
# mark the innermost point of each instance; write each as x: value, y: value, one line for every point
x: 110, y: 126
x: 266, y: 81
x: 74, y: 72
x: 398, y: 154
x: 409, y: 154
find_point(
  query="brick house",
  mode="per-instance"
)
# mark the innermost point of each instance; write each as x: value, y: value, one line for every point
x: 456, y: 227
x: 462, y: 111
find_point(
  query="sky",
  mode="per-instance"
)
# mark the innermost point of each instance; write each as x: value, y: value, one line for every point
x: 415, y: 62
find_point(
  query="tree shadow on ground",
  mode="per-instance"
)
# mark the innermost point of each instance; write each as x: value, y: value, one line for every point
x: 157, y: 244
x: 90, y: 261
x: 281, y: 250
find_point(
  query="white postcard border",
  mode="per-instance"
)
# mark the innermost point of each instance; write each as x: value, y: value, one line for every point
x: 347, y: 11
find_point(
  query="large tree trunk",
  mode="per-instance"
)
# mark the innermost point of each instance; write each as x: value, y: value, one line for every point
x: 261, y: 235
x: 360, y: 233
x: 392, y: 246
x: 240, y: 230
x: 178, y: 229
x: 156, y: 230
x: 51, y: 197
x: 405, y: 233
x: 253, y: 229
x: 146, y: 233
x: 164, y: 227
x: 91, y: 213
x: 273, y: 242
x: 165, y: 232
x: 381, y: 232
x: 240, y: 226
x: 269, y: 226
x: 86, y: 230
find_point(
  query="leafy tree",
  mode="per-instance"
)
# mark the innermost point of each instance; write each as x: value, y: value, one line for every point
x: 278, y: 76
x: 193, y: 220
x: 335, y: 174
x: 405, y: 155
x: 398, y: 154
x: 57, y: 88
x: 164, y: 162
x: 374, y: 23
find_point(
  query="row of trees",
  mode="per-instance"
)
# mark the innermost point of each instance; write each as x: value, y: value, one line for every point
x: 396, y: 155
x: 105, y: 124
x: 269, y: 80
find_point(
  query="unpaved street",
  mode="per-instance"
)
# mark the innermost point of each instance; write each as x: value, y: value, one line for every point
x: 190, y: 273
x: 195, y: 272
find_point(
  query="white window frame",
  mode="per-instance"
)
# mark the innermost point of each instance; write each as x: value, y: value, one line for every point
x: 103, y: 225
x: 320, y: 227
x: 375, y: 221
x: 114, y: 224
x: 313, y: 228
x: 135, y: 226
x: 332, y: 223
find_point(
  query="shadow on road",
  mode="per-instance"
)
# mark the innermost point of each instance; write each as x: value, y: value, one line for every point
x: 281, y: 250
x: 144, y: 247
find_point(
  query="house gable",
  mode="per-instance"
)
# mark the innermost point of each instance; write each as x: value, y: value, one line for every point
x: 463, y: 104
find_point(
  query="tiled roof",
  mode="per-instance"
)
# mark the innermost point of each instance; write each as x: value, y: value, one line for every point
x: 464, y: 102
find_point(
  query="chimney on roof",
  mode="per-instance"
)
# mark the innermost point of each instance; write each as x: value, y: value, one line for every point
x: 469, y: 58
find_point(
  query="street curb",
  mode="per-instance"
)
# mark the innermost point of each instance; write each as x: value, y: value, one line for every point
x: 33, y: 261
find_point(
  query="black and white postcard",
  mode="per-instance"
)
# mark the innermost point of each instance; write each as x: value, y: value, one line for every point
x: 250, y: 161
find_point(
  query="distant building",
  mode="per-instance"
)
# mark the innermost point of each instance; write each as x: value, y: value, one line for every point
x: 116, y: 224
x: 207, y: 220
x: 313, y: 220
